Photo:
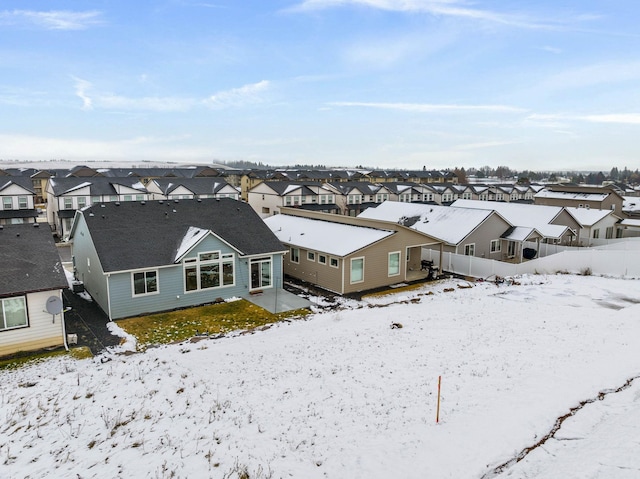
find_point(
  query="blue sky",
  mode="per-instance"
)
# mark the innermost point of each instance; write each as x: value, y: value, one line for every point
x: 540, y: 85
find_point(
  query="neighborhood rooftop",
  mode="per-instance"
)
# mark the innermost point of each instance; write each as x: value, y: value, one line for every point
x: 134, y: 234
x: 325, y: 236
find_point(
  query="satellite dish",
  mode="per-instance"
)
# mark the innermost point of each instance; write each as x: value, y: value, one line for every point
x: 54, y: 305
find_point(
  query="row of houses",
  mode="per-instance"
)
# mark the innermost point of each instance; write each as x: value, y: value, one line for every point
x: 148, y: 255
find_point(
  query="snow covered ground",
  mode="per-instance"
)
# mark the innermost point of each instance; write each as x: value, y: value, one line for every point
x: 342, y: 394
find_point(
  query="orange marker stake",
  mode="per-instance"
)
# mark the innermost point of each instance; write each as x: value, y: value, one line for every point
x: 438, y: 409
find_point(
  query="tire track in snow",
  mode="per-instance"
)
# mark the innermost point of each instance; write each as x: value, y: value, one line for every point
x: 496, y: 471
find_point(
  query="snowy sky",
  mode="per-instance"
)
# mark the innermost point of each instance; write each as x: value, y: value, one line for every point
x: 384, y: 83
x: 342, y: 394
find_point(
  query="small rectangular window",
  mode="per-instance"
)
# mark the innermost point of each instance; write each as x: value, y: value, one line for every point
x: 470, y: 249
x: 145, y: 282
x: 333, y: 262
x: 13, y: 313
x: 394, y: 264
x: 68, y: 203
x: 495, y: 246
x: 23, y: 203
x: 322, y: 259
x: 82, y: 202
x: 295, y: 255
x: 7, y: 203
x: 357, y: 270
x: 311, y: 256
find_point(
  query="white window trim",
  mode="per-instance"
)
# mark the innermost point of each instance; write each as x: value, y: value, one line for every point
x: 26, y: 313
x: 291, y: 250
x: 469, y: 246
x: 498, y: 248
x: 197, y: 263
x: 351, y: 270
x: 311, y: 256
x: 331, y: 260
x: 322, y: 258
x: 399, y: 253
x: 133, y: 288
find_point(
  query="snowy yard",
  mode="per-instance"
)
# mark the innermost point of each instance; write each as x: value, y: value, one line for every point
x: 342, y: 394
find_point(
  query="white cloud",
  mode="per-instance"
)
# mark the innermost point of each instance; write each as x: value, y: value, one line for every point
x: 238, y: 97
x: 234, y: 98
x: 448, y: 8
x: 81, y: 91
x: 556, y: 119
x: 53, y: 19
x: 429, y: 108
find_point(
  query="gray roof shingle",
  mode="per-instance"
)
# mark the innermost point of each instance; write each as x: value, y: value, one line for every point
x: 29, y: 260
x: 132, y: 234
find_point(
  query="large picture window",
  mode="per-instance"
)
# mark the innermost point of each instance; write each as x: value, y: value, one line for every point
x: 209, y: 270
x: 357, y: 270
x: 13, y: 313
x: 394, y: 263
x: 145, y: 282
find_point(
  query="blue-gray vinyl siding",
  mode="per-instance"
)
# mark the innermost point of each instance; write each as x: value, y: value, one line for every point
x: 88, y: 267
x: 171, y: 284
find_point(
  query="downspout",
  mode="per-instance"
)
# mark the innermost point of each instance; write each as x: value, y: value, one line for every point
x: 342, y: 267
x: 64, y: 331
x: 441, y: 258
x: 109, y: 297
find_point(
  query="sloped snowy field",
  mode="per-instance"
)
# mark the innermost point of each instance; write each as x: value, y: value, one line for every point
x: 341, y: 394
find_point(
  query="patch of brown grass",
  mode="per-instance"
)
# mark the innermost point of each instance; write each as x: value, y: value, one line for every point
x: 212, y: 319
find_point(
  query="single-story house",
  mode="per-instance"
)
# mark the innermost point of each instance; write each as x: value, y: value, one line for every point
x: 31, y: 284
x: 149, y: 256
x: 462, y: 231
x: 596, y: 224
x: 346, y: 254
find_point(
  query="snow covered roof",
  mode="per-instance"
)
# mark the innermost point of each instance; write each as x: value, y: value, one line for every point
x: 191, y: 238
x: 589, y: 216
x: 519, y: 233
x: 631, y: 203
x: 450, y: 225
x: 518, y: 214
x: 631, y: 222
x: 571, y: 195
x: 332, y: 238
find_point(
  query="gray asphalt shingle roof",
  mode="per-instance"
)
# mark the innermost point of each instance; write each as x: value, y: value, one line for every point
x: 29, y: 260
x: 132, y: 234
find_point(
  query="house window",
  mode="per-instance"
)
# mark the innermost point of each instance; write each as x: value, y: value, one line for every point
x: 68, y: 203
x: 596, y: 233
x: 145, y: 282
x: 311, y: 255
x: 128, y: 198
x: 261, y: 272
x: 357, y: 270
x: 295, y: 255
x: 609, y: 232
x: 139, y: 197
x: 209, y: 270
x: 82, y: 202
x: 7, y: 203
x: 511, y: 249
x: 265, y: 211
x: 618, y: 232
x: 113, y: 198
x: 393, y: 268
x: 495, y: 246
x: 287, y: 201
x: 23, y: 204
x: 466, y: 196
x: 322, y: 259
x: 13, y: 313
x: 333, y: 262
x: 470, y: 249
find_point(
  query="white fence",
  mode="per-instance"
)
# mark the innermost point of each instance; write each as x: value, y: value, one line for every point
x: 547, y: 249
x: 605, y: 261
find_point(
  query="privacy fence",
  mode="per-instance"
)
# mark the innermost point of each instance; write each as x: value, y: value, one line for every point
x: 620, y: 259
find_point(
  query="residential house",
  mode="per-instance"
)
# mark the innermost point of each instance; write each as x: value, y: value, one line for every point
x: 191, y: 188
x: 555, y: 224
x: 356, y: 196
x: 462, y: 231
x: 581, y: 197
x: 66, y: 195
x: 596, y: 224
x: 31, y: 285
x: 346, y: 255
x: 145, y: 257
x: 17, y: 199
x: 269, y: 197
